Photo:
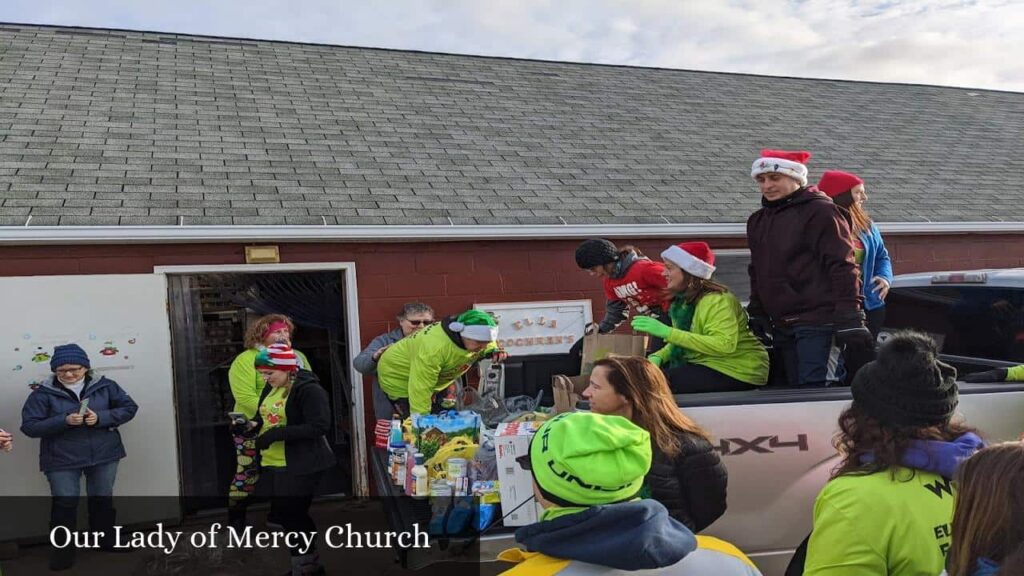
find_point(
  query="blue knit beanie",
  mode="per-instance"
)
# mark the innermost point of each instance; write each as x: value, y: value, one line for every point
x: 68, y: 354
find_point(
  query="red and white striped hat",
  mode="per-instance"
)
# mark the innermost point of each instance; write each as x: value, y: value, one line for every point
x: 278, y: 357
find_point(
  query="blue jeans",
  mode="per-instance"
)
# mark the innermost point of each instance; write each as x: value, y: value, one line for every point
x: 66, y: 487
x: 809, y: 355
x: 99, y: 481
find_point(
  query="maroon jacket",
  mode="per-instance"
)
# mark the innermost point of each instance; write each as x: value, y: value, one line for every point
x: 802, y: 267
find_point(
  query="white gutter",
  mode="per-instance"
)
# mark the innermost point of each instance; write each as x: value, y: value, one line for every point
x: 36, y: 235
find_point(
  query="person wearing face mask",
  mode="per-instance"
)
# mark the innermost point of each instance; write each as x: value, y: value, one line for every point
x: 76, y: 414
x: 413, y: 369
x: 246, y: 387
x: 847, y: 191
x: 710, y: 347
x: 413, y: 317
x: 291, y: 424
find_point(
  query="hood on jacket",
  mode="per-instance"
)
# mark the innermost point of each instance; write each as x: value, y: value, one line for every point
x: 455, y: 337
x: 92, y: 381
x: 622, y: 264
x: 636, y: 535
x: 936, y: 456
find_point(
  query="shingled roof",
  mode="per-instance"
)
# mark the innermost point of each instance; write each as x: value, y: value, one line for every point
x: 102, y: 127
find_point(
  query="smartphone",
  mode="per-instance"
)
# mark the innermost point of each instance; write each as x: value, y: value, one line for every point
x: 84, y: 408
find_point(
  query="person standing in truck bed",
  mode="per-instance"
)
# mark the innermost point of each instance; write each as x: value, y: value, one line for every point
x: 804, y: 283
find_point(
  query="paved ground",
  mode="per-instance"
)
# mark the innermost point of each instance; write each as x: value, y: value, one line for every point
x: 33, y: 560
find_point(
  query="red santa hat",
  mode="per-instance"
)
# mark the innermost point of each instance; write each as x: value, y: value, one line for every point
x: 833, y: 182
x: 792, y: 164
x: 696, y: 258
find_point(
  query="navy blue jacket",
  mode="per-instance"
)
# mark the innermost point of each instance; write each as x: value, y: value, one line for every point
x: 66, y: 447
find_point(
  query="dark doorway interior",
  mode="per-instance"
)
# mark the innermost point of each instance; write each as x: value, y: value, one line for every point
x: 209, y: 314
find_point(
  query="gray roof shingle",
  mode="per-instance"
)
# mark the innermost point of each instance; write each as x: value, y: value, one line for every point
x: 114, y: 127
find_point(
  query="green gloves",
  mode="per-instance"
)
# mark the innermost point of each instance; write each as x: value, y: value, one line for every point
x: 656, y: 360
x: 651, y: 326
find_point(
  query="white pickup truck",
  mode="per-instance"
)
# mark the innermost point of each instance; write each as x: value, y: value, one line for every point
x: 777, y: 442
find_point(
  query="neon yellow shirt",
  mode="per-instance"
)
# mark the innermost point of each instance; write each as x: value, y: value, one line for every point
x: 273, y: 414
x: 875, y: 524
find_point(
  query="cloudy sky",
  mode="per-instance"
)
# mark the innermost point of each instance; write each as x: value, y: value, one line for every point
x: 973, y: 43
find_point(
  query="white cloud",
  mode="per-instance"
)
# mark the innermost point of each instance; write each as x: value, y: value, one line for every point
x: 951, y: 42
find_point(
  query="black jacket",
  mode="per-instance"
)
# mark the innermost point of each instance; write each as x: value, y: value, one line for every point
x: 802, y: 267
x: 692, y: 484
x: 307, y: 421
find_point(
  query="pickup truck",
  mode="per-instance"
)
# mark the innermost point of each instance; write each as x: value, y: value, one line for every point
x: 777, y: 442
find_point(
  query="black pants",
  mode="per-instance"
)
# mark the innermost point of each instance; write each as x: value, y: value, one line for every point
x: 290, y: 499
x: 694, y: 378
x: 875, y: 320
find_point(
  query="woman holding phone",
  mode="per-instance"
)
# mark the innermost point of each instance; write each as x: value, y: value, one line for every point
x: 246, y: 387
x: 77, y: 415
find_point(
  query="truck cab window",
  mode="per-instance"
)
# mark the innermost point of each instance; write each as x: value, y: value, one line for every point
x: 976, y: 321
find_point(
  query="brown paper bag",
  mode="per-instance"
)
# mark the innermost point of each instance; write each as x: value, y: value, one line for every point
x: 598, y: 346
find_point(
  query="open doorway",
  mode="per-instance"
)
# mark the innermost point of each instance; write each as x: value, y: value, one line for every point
x: 209, y: 314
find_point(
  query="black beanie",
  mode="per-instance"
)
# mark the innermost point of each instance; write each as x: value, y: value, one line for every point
x: 596, y: 252
x: 907, y: 385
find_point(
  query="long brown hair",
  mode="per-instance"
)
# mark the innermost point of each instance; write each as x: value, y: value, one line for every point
x: 860, y: 434
x: 988, y: 520
x: 695, y: 288
x: 654, y: 407
x: 859, y: 218
x: 254, y: 335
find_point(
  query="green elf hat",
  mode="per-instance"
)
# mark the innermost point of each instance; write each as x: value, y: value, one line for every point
x: 587, y: 459
x: 475, y: 325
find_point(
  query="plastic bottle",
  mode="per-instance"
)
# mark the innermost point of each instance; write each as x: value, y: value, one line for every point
x: 419, y: 477
x: 396, y: 451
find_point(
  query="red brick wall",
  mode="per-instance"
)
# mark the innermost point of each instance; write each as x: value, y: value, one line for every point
x: 451, y: 276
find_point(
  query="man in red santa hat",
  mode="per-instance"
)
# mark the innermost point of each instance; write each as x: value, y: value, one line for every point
x: 804, y: 282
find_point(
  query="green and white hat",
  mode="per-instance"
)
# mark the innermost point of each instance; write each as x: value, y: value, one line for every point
x: 475, y: 325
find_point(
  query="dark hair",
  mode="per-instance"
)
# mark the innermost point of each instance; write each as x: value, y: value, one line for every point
x: 860, y: 434
x: 988, y: 520
x: 625, y: 250
x: 415, y: 308
x: 654, y: 408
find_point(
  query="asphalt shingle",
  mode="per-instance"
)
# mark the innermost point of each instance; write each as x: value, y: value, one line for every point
x: 143, y: 128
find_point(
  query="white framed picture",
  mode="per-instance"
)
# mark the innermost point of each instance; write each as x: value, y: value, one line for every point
x: 549, y: 327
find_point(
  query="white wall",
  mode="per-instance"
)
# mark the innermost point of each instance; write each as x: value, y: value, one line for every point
x: 127, y: 311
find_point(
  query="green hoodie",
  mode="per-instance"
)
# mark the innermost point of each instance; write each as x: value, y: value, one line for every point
x: 423, y: 363
x: 720, y: 339
x: 875, y: 524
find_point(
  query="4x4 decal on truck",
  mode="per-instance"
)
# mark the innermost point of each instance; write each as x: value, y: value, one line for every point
x: 736, y: 446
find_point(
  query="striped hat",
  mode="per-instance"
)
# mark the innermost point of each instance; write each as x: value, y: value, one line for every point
x: 278, y: 357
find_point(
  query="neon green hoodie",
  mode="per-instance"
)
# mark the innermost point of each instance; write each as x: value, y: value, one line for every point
x: 1015, y: 374
x: 423, y: 363
x: 875, y: 524
x: 720, y: 339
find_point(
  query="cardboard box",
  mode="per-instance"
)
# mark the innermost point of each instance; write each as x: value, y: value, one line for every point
x: 512, y: 440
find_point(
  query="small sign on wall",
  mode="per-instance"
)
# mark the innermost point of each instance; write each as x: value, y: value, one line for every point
x: 552, y: 327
